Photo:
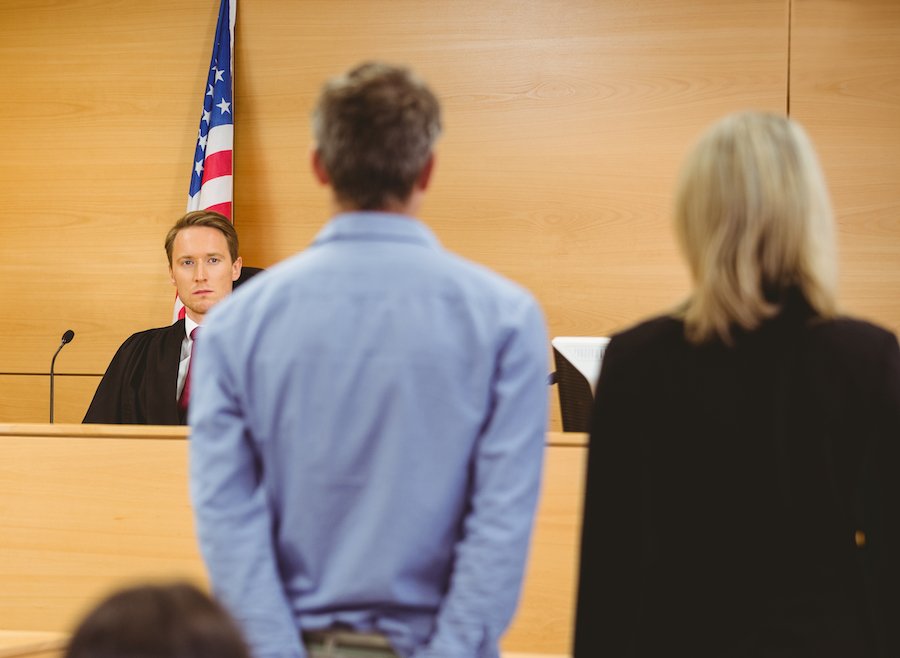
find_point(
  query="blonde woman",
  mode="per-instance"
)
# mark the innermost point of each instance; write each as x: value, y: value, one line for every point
x: 742, y: 492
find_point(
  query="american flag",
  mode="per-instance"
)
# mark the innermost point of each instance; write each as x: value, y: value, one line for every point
x: 211, y: 178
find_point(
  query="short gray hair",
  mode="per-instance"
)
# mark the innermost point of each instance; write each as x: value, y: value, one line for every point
x: 375, y: 127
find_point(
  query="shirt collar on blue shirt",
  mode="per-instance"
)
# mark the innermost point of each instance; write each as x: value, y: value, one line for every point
x: 371, y: 225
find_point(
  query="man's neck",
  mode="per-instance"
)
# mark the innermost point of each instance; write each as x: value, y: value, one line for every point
x: 196, y: 317
x: 409, y: 206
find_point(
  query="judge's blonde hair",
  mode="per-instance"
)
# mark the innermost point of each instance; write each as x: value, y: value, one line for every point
x: 753, y: 219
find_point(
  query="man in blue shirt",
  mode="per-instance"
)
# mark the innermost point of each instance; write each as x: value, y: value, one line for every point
x: 368, y: 437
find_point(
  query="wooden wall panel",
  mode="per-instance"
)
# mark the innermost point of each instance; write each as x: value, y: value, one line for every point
x: 845, y: 88
x: 99, y: 110
x: 26, y: 398
x: 565, y: 123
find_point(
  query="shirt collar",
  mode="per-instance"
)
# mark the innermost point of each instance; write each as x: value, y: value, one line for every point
x: 377, y: 226
x: 189, y: 326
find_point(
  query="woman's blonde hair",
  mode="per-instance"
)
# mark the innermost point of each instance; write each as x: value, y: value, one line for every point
x: 753, y: 219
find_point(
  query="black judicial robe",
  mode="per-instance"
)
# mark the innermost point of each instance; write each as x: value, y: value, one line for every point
x: 140, y: 383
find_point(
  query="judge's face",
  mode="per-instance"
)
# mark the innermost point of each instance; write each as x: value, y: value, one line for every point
x: 201, y: 270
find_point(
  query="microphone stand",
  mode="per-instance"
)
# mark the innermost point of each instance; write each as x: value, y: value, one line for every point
x: 66, y: 338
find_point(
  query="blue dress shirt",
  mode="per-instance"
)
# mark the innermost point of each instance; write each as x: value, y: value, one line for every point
x: 368, y: 421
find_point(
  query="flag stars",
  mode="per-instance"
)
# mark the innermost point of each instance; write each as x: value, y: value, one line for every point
x: 206, y: 116
x: 224, y: 107
x: 219, y: 74
x: 198, y: 166
x: 202, y: 141
x: 209, y: 92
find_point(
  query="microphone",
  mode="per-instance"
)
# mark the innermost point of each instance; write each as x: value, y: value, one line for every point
x: 66, y: 338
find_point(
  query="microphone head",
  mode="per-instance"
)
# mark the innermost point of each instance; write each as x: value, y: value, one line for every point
x: 68, y: 336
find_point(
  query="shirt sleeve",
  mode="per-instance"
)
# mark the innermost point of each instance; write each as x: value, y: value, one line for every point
x: 489, y: 560
x: 234, y: 522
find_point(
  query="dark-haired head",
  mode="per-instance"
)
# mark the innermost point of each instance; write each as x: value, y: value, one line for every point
x: 375, y: 127
x: 157, y: 621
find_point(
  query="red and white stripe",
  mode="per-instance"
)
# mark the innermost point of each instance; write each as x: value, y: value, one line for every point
x: 216, y: 191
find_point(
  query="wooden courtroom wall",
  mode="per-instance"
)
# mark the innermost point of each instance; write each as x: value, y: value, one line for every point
x: 566, y: 122
x: 845, y: 88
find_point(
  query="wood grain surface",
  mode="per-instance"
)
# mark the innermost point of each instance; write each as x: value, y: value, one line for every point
x: 565, y: 124
x: 85, y: 509
x: 845, y: 88
x: 26, y: 398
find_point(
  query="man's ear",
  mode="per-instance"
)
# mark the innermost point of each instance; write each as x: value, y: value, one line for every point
x: 171, y: 275
x: 318, y: 167
x: 236, y: 268
x: 424, y: 178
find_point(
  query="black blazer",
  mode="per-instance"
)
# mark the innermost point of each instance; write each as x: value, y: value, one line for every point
x: 141, y: 381
x: 727, y: 490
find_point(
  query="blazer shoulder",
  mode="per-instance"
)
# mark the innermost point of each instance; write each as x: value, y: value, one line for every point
x: 144, y: 348
x: 639, y: 350
x: 660, y: 332
x: 852, y: 339
x: 853, y: 330
x: 156, y: 335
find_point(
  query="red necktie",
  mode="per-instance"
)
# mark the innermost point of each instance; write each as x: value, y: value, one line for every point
x: 186, y: 391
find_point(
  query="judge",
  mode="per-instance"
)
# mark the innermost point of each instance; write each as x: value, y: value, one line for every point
x: 147, y: 382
